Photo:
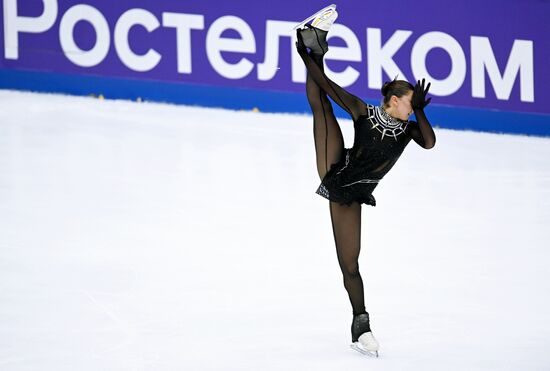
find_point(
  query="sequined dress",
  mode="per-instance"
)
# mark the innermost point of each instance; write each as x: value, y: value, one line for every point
x: 379, y: 141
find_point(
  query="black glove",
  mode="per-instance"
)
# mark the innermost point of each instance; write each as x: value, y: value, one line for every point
x: 300, y: 46
x: 418, y: 100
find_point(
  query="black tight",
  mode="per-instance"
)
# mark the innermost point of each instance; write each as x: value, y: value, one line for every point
x: 346, y: 220
x: 329, y: 143
x: 346, y: 226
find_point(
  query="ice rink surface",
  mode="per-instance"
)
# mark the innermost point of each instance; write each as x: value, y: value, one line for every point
x: 140, y: 236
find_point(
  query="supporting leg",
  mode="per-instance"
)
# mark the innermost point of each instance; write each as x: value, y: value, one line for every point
x: 346, y: 226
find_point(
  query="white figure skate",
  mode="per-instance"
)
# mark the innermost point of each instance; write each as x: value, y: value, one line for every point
x: 362, y: 338
x: 314, y: 29
x: 322, y: 20
x: 366, y: 345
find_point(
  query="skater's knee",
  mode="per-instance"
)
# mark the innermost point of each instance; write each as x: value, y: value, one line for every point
x: 350, y: 269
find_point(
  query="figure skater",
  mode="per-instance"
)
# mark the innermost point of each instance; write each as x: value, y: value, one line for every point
x: 349, y: 175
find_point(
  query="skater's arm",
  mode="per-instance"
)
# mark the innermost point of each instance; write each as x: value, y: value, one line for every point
x: 421, y: 131
x: 349, y: 102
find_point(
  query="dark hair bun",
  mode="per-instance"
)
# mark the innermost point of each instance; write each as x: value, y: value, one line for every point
x: 385, y: 88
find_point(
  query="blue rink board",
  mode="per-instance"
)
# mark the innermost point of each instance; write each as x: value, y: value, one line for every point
x: 451, y: 117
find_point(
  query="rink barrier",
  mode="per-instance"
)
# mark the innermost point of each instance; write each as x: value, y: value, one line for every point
x: 443, y: 116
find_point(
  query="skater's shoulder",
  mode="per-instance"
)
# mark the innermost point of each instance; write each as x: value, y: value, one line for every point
x: 366, y: 111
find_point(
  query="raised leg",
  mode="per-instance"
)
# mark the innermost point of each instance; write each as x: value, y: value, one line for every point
x: 329, y: 142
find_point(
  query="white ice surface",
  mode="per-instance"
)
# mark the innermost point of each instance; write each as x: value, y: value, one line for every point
x: 138, y: 236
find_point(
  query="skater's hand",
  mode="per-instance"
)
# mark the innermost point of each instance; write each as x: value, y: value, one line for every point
x: 418, y: 100
x: 300, y: 43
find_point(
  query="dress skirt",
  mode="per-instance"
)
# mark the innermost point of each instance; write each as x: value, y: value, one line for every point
x: 345, y: 183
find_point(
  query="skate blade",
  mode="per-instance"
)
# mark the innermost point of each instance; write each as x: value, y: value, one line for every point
x: 311, y: 18
x: 358, y: 347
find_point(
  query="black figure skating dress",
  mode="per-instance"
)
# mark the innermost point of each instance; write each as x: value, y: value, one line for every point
x: 379, y: 141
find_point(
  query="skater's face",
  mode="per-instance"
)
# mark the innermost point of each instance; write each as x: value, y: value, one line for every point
x: 402, y: 106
